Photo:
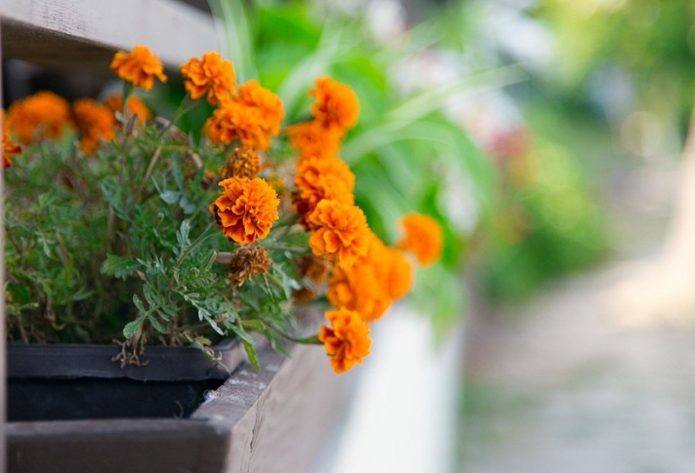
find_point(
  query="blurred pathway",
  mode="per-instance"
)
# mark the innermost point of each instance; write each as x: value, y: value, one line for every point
x: 557, y: 387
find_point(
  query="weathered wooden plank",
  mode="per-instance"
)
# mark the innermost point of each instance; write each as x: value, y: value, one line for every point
x: 64, y: 32
x: 280, y: 415
x: 271, y: 420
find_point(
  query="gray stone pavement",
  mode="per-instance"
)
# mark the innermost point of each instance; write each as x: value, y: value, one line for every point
x: 557, y: 386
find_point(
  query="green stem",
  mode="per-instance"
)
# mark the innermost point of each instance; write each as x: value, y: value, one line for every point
x: 195, y: 243
x: 186, y: 105
x: 148, y: 172
x: 311, y: 340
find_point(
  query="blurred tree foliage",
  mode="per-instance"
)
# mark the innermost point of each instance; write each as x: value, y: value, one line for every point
x: 652, y: 40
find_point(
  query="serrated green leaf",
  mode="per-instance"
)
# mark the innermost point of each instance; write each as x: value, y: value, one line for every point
x: 133, y: 326
x: 119, y: 266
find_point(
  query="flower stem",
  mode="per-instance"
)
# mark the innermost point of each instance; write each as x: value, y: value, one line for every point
x: 311, y: 340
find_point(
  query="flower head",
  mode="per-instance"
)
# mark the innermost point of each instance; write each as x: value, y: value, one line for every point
x: 319, y: 179
x: 39, y: 116
x: 235, y: 121
x: 246, y: 210
x: 336, y: 106
x: 396, y: 273
x: 358, y: 288
x: 94, y: 122
x: 244, y: 162
x: 340, y: 231
x: 347, y: 340
x: 269, y: 105
x: 247, y: 263
x: 135, y: 106
x: 9, y: 147
x: 210, y: 75
x: 373, y: 283
x: 139, y: 67
x: 423, y: 238
x: 312, y: 140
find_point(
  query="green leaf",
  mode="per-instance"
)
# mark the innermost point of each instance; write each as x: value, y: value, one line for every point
x: 182, y: 235
x: 133, y: 326
x: 251, y: 354
x: 157, y: 325
x: 118, y: 266
x: 170, y: 197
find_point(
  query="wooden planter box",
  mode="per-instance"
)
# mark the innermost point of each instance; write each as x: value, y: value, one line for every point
x: 271, y: 420
x: 261, y: 421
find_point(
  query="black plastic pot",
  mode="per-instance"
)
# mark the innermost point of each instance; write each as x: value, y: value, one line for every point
x: 61, y: 382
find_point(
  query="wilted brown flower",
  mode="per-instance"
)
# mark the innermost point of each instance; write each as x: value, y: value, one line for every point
x: 244, y: 162
x: 248, y: 262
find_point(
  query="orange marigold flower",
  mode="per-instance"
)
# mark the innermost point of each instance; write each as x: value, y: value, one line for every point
x: 244, y: 162
x: 9, y: 147
x: 246, y: 210
x: 39, y: 116
x: 135, y: 106
x: 336, y: 106
x: 423, y: 238
x: 347, y: 340
x: 139, y: 67
x: 358, y: 288
x: 269, y: 105
x: 340, y: 231
x: 94, y: 122
x: 377, y: 279
x: 319, y: 179
x: 396, y: 273
x: 210, y: 75
x: 235, y: 121
x: 312, y: 140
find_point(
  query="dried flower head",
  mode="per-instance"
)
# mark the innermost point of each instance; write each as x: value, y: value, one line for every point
x: 210, y: 75
x: 312, y: 140
x: 347, y: 340
x: 9, y: 147
x: 423, y: 238
x: 135, y: 106
x: 248, y: 262
x: 244, y: 162
x: 246, y: 210
x: 139, y: 67
x: 319, y: 179
x: 340, y: 231
x: 39, y: 116
x: 94, y: 122
x: 336, y: 106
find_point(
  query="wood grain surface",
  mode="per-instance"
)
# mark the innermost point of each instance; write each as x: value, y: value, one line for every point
x: 86, y: 32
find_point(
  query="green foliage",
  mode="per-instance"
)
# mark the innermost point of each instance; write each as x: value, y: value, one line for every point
x: 121, y: 245
x: 548, y: 225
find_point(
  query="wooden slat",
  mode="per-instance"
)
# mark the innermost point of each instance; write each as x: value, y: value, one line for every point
x: 280, y: 416
x: 271, y: 420
x: 86, y: 32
